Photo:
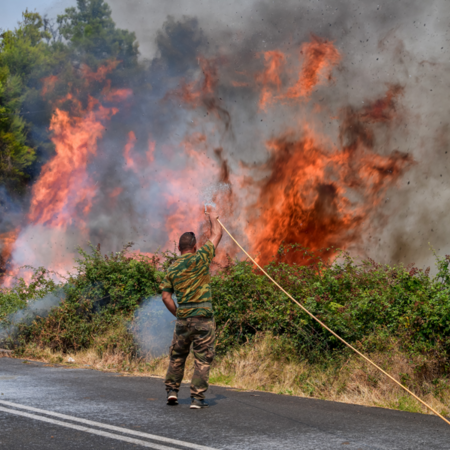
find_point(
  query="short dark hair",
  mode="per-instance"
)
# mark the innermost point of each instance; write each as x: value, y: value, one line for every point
x: 187, y: 241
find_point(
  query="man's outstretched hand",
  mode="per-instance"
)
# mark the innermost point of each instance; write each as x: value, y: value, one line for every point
x: 216, y: 229
x: 211, y: 212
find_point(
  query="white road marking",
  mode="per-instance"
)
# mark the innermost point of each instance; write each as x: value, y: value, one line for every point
x: 88, y: 430
x: 100, y: 425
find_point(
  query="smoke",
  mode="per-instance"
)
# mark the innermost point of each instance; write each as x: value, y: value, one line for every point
x: 36, y: 308
x: 211, y: 192
x: 403, y: 42
x: 207, y: 108
x: 153, y: 327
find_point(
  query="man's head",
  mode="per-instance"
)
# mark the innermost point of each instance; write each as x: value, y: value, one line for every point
x: 187, y: 243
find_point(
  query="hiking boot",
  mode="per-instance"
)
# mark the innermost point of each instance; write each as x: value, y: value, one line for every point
x: 172, y: 398
x: 198, y: 403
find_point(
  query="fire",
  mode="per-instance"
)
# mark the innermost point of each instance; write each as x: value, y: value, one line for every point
x: 135, y: 161
x: 129, y: 161
x: 305, y: 198
x: 183, y: 189
x: 64, y: 192
x: 273, y: 61
x: 315, y: 188
x: 100, y: 74
x: 316, y: 194
x: 201, y: 92
x: 48, y: 84
x: 320, y: 56
x: 116, y: 192
x: 7, y: 241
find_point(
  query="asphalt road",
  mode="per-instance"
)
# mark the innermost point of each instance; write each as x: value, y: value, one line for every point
x: 47, y: 407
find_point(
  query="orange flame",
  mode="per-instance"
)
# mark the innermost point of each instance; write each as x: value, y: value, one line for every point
x: 49, y: 84
x: 100, y: 74
x: 320, y: 57
x: 7, y: 241
x: 305, y: 199
x: 116, y: 192
x: 129, y: 161
x: 64, y: 186
x: 273, y: 61
x: 64, y: 192
x: 316, y: 193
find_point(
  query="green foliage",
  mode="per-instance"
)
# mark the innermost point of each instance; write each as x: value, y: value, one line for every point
x: 365, y: 303
x: 24, y: 51
x: 15, y: 155
x: 38, y: 69
x: 93, y: 34
x: 357, y: 301
x: 119, y: 280
x: 100, y: 297
x: 17, y: 297
x: 23, y: 55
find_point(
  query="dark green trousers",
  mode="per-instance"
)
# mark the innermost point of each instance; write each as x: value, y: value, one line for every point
x: 201, y: 333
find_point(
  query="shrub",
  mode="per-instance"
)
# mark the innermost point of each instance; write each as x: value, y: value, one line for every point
x: 103, y: 292
x: 365, y: 303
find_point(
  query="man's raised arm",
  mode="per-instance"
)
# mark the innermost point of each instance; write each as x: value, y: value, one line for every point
x: 216, y: 229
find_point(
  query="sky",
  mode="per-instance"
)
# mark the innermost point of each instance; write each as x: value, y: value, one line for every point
x: 12, y: 10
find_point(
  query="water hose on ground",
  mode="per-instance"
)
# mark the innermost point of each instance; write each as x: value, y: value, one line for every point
x: 330, y: 330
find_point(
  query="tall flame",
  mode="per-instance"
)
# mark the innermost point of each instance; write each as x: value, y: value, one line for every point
x: 316, y: 190
x: 64, y: 192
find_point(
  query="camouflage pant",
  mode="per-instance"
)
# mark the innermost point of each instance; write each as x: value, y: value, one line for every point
x: 201, y: 332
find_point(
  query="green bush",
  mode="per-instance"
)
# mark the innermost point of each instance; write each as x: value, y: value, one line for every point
x: 17, y: 297
x: 363, y: 302
x: 100, y: 296
x: 355, y: 300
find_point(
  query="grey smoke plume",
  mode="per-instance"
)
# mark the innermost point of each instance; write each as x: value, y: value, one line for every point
x: 211, y: 192
x: 153, y: 327
x: 405, y: 42
x: 382, y: 43
x: 36, y: 308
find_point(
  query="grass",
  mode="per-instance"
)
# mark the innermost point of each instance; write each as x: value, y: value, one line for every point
x: 258, y: 366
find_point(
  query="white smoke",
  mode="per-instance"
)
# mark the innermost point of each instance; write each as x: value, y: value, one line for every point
x: 210, y: 193
x: 153, y: 327
x: 36, y: 308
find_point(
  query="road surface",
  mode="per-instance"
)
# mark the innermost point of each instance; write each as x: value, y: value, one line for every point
x: 48, y: 407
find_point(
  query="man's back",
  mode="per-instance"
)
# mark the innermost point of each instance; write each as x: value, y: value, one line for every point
x: 189, y: 279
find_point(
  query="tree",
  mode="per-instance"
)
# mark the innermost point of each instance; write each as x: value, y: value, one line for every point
x: 23, y: 56
x: 39, y: 65
x: 15, y: 155
x: 93, y: 35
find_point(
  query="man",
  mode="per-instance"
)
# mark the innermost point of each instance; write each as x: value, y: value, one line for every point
x: 188, y: 277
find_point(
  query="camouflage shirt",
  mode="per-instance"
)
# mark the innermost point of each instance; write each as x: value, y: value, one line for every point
x: 188, y: 277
